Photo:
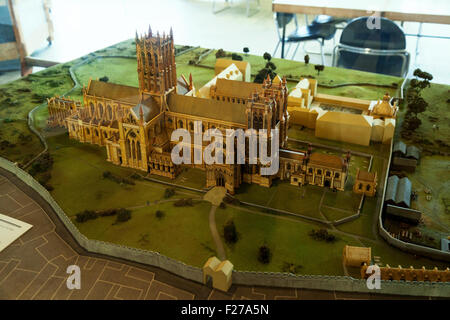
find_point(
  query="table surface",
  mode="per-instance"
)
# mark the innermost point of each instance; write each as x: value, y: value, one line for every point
x: 435, y: 11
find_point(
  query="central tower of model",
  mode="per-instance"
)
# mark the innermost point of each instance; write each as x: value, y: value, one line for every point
x: 156, y: 63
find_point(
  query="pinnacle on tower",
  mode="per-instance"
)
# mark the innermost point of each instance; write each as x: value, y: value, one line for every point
x: 149, y: 31
x: 141, y: 113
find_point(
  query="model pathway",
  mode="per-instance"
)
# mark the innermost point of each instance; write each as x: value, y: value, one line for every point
x: 215, y: 234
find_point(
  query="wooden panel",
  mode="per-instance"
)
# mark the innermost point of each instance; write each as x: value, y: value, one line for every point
x: 8, y: 51
x: 398, y: 10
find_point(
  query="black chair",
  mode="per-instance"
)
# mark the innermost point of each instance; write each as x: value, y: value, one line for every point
x: 315, y: 31
x: 380, y: 50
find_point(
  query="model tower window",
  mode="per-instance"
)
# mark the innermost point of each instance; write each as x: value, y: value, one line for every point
x: 156, y: 63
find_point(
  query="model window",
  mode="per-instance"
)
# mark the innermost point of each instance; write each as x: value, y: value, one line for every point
x: 288, y: 166
x: 360, y: 186
x: 328, y: 173
x: 91, y: 105
x: 191, y: 126
x: 88, y: 131
x: 336, y: 175
x: 180, y: 124
x: 105, y: 134
x: 109, y: 110
x: 310, y: 170
x: 100, y: 109
x: 368, y: 187
x: 319, y: 171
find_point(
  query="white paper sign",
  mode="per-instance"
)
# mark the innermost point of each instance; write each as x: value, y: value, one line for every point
x: 10, y: 230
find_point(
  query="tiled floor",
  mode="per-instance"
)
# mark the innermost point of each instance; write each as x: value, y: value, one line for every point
x: 82, y: 26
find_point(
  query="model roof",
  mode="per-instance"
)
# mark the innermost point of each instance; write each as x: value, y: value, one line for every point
x: 413, y: 152
x: 349, y: 119
x: 149, y: 109
x: 398, y: 191
x: 399, y: 146
x: 326, y: 160
x: 366, y: 176
x: 234, y: 88
x: 113, y: 91
x: 207, y: 108
x: 291, y: 154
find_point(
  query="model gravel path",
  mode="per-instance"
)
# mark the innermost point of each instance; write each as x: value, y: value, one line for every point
x: 215, y: 234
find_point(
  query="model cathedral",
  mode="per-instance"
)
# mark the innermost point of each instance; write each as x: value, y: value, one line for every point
x: 135, y: 124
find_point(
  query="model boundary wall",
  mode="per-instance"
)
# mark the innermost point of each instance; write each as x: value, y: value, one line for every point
x: 273, y: 279
x: 405, y: 246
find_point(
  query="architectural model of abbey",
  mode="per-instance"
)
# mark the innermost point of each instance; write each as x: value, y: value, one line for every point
x: 135, y: 124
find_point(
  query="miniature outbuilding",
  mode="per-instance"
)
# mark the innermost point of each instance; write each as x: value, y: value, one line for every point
x: 243, y: 66
x: 398, y: 191
x: 220, y: 272
x: 357, y: 256
x: 365, y: 183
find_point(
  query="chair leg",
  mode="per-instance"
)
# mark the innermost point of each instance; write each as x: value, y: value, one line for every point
x: 321, y: 51
x: 276, y: 48
x: 295, y: 51
x: 288, y: 49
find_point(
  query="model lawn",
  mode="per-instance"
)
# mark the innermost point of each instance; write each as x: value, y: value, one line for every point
x: 78, y: 181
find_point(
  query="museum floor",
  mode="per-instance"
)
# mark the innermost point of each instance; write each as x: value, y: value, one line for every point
x: 79, y: 31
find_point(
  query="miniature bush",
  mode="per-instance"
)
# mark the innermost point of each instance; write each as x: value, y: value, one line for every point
x: 229, y: 232
x: 183, y: 203
x: 42, y: 164
x: 322, y: 235
x: 236, y: 57
x: 136, y: 176
x: 159, y: 214
x: 220, y: 54
x: 104, y: 79
x: 107, y: 174
x: 117, y: 179
x: 169, y: 192
x: 123, y: 215
x: 85, y: 216
x: 107, y: 212
x: 264, y: 254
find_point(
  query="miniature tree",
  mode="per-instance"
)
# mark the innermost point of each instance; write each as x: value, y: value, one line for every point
x: 220, y: 53
x: 236, y: 57
x: 246, y: 50
x: 418, y: 105
x: 264, y: 254
x: 319, y: 68
x: 123, y: 215
x: 306, y: 58
x: 159, y: 214
x: 104, y: 79
x: 267, y: 56
x: 229, y: 232
x: 269, y: 69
